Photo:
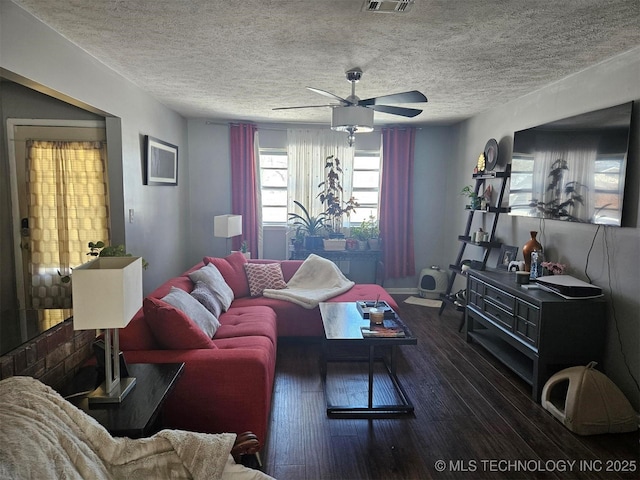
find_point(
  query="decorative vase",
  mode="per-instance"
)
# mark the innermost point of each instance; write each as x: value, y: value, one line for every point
x: 531, y: 246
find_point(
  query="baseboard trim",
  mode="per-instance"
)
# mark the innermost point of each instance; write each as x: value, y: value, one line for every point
x: 402, y: 291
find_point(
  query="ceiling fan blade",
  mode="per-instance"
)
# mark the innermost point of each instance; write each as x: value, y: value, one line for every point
x: 342, y: 101
x: 306, y: 106
x: 413, y: 96
x: 402, y: 111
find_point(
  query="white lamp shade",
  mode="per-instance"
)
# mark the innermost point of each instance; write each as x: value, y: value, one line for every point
x: 107, y: 292
x: 227, y: 226
x: 358, y: 119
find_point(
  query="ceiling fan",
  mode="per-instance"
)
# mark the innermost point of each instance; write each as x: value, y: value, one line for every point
x: 354, y: 115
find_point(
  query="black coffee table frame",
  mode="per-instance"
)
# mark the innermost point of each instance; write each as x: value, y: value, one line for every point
x: 342, y: 324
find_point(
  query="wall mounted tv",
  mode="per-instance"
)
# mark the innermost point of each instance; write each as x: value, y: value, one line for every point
x: 572, y: 169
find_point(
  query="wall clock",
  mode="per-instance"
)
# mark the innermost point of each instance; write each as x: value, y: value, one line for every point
x: 491, y: 154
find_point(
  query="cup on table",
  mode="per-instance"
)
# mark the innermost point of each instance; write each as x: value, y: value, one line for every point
x: 376, y: 316
x: 522, y: 278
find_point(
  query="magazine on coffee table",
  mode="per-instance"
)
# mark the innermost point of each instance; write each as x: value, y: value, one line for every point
x: 388, y: 329
x: 365, y: 306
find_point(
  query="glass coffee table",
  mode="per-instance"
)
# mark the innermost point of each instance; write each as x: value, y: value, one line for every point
x: 342, y: 328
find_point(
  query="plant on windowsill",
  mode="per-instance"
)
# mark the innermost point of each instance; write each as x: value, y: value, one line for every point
x: 361, y: 235
x: 100, y: 249
x: 372, y: 232
x: 331, y: 197
x: 298, y: 240
x: 310, y: 226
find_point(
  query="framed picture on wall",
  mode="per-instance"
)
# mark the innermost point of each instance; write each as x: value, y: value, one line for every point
x: 507, y: 255
x: 161, y: 162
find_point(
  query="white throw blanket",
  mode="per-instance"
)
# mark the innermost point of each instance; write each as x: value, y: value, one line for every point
x: 317, y: 280
x: 44, y: 436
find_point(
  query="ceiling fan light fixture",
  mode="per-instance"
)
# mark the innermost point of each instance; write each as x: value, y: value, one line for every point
x: 352, y: 119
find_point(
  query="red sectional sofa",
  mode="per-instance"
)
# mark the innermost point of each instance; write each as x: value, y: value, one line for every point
x: 227, y: 384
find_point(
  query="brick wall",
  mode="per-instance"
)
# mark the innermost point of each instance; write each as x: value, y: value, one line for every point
x: 53, y: 357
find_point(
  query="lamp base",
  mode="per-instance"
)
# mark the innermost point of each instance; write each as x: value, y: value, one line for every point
x: 100, y: 396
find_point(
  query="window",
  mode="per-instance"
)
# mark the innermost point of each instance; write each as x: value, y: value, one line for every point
x: 273, y: 181
x: 68, y: 208
x: 608, y: 188
x: 366, y: 184
x: 521, y: 188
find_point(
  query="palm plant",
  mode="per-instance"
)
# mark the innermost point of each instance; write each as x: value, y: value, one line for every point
x: 310, y: 225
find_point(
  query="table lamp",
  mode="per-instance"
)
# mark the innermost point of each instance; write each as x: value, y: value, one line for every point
x: 227, y: 226
x: 107, y: 293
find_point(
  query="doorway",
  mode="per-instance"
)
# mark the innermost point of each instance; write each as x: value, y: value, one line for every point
x: 38, y: 275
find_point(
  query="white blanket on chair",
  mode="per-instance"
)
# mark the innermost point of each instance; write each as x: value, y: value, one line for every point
x: 317, y: 280
x: 44, y: 436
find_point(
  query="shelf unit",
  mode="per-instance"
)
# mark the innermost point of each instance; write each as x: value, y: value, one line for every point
x: 465, y: 239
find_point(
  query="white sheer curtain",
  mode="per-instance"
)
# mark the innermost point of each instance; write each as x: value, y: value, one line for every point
x: 580, y: 163
x: 307, y: 150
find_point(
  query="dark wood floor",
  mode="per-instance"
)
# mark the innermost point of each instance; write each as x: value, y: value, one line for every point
x: 471, y: 413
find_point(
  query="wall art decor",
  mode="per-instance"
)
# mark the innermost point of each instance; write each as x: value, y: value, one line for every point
x: 161, y: 162
x: 507, y: 255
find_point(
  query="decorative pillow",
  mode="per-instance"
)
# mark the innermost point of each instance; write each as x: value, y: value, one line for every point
x: 172, y: 329
x: 232, y: 269
x: 264, y: 275
x: 210, y: 275
x: 193, y: 309
x: 207, y: 297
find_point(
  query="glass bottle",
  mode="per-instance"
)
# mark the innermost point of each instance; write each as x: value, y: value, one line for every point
x: 529, y: 247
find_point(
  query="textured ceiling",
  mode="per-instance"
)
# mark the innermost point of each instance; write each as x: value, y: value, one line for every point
x: 236, y: 60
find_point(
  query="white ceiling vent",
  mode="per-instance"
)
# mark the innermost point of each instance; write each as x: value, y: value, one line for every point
x: 387, y: 6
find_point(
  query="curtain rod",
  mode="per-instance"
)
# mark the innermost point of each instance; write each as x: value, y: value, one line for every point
x: 284, y: 129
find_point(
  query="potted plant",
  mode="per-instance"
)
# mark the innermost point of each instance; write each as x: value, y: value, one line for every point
x: 361, y: 234
x: 310, y: 226
x: 100, y: 249
x: 298, y: 240
x: 373, y: 231
x: 331, y: 192
x: 244, y: 249
x: 474, y: 199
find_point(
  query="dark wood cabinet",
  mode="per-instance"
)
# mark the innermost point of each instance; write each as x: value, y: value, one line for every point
x: 533, y: 332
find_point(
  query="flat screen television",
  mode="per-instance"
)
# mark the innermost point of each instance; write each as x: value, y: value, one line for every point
x: 572, y: 169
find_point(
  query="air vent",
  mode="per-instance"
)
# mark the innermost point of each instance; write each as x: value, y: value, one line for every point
x: 387, y: 6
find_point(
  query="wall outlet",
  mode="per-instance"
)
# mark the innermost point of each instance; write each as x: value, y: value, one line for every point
x: 131, y: 215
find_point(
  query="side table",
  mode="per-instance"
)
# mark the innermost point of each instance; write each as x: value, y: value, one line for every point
x: 138, y: 415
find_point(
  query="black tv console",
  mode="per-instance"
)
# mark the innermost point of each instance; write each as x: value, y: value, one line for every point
x: 533, y: 332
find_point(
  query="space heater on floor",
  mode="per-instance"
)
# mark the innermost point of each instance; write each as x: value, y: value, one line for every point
x: 432, y: 282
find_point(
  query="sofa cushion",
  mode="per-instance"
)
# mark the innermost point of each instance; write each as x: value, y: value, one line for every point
x: 207, y: 297
x: 261, y: 276
x: 193, y: 309
x: 172, y: 328
x: 232, y: 269
x: 210, y: 275
x: 248, y: 321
